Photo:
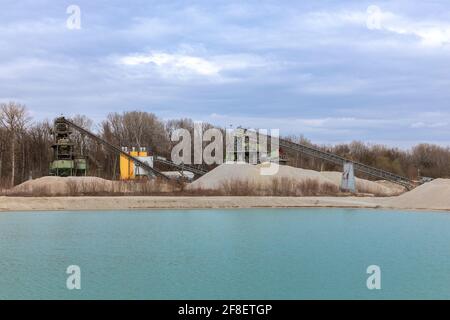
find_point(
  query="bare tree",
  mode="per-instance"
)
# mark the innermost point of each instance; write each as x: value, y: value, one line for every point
x: 137, y: 129
x: 80, y: 140
x: 14, y: 118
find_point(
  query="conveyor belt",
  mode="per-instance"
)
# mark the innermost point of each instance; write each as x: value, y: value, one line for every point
x: 336, y: 159
x: 181, y: 166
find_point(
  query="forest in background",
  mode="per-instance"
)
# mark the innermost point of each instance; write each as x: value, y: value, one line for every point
x: 25, y: 146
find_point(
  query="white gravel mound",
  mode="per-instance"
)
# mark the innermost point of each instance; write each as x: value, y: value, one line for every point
x: 62, y: 185
x: 431, y: 195
x: 216, y: 178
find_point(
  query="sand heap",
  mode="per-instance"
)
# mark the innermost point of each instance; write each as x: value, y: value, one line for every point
x: 79, y: 186
x: 62, y: 186
x: 431, y: 195
x: 215, y: 179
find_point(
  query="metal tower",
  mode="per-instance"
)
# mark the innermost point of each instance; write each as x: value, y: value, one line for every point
x: 65, y: 161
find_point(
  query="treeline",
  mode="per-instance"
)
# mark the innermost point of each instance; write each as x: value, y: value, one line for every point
x: 25, y: 146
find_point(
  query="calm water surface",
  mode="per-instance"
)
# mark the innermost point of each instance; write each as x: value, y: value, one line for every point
x: 230, y: 254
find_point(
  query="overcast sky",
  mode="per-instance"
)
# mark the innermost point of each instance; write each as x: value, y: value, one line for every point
x: 335, y: 71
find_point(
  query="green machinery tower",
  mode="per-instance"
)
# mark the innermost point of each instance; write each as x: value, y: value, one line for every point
x: 65, y: 161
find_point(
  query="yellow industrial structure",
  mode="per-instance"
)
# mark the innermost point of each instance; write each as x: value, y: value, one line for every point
x: 128, y: 170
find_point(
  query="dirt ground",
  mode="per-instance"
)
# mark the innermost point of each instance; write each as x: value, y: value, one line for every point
x: 167, y: 202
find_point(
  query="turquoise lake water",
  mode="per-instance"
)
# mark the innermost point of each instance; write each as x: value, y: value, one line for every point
x: 225, y: 254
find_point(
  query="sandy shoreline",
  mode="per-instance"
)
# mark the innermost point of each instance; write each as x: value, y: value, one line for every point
x: 168, y: 202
